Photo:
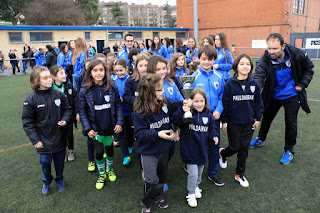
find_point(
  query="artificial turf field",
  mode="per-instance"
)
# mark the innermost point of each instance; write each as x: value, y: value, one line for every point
x: 273, y: 187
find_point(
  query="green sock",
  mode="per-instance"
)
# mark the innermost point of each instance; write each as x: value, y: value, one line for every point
x: 101, y: 166
x: 115, y: 138
x: 109, y: 162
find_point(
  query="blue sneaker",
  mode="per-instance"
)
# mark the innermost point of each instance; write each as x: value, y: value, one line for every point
x: 130, y: 149
x: 61, y: 186
x: 126, y: 161
x: 286, y: 158
x: 256, y: 142
x: 45, y: 189
x: 165, y: 187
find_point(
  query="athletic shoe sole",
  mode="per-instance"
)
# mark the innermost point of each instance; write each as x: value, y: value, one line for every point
x: 217, y: 184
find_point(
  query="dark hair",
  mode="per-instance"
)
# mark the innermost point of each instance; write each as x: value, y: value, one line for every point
x: 128, y: 34
x: 111, y: 55
x: 152, y: 64
x: 136, y: 75
x: 88, y: 80
x: 276, y: 36
x: 237, y: 61
x: 146, y: 103
x: 62, y: 47
x: 209, y: 51
x: 142, y: 44
x: 84, y: 66
x: 174, y: 63
x: 200, y: 91
x: 212, y: 36
x: 50, y: 48
x: 179, y: 43
x: 168, y: 42
x: 210, y: 40
x: 55, y: 69
x: 224, y: 44
x: 99, y: 55
x: 132, y: 52
x: 35, y: 76
x: 194, y: 67
x: 156, y: 46
x: 120, y: 61
x: 69, y: 46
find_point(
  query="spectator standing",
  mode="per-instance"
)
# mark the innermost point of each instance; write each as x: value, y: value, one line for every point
x: 1, y: 62
x: 51, y: 57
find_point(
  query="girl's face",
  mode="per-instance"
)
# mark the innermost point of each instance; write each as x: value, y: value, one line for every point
x: 142, y: 67
x: 205, y: 42
x: 141, y: 46
x: 198, y: 102
x: 98, y: 74
x: 164, y: 42
x: 61, y: 76
x: 134, y: 58
x: 159, y: 90
x: 205, y: 62
x: 86, y: 65
x: 217, y: 41
x: 149, y: 43
x: 161, y: 69
x: 72, y: 44
x: 244, y: 67
x: 120, y: 70
x: 45, y: 80
x: 66, y: 49
x: 180, y: 61
x: 156, y: 40
x: 191, y: 43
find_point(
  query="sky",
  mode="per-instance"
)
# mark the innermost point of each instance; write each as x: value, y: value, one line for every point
x: 158, y: 2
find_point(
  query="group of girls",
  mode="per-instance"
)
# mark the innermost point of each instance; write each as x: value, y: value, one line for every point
x: 151, y: 99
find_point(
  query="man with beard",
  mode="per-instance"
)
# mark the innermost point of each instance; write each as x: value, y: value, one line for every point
x: 283, y: 72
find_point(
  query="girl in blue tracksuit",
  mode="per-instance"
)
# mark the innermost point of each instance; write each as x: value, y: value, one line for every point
x: 180, y: 64
x: 158, y: 65
x: 142, y: 47
x: 242, y: 112
x: 152, y: 128
x: 192, y: 52
x: 223, y: 63
x: 157, y: 48
x: 171, y: 74
x: 71, y: 45
x: 195, y: 140
x: 78, y: 57
x: 63, y: 59
x: 126, y: 136
x: 169, y: 48
x: 100, y: 111
x: 212, y: 83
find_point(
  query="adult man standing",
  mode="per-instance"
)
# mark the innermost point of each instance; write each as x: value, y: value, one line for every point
x: 115, y: 47
x: 284, y: 72
x: 128, y: 41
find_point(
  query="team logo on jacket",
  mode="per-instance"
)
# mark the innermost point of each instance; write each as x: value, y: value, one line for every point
x: 165, y: 109
x: 219, y: 56
x: 170, y: 89
x: 107, y: 98
x: 288, y: 63
x: 205, y: 120
x: 253, y: 88
x: 57, y: 102
x: 70, y: 91
x: 216, y: 85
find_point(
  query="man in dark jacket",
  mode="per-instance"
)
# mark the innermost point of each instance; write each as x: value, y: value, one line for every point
x: 283, y: 72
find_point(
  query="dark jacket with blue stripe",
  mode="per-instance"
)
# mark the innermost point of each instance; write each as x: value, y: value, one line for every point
x: 87, y: 112
x: 130, y: 91
x: 302, y: 72
x: 146, y: 129
x: 241, y: 106
x: 195, y: 136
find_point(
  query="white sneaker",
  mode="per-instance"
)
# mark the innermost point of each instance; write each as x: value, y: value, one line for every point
x: 70, y: 155
x: 198, y: 192
x: 223, y: 164
x: 242, y: 180
x: 192, y: 201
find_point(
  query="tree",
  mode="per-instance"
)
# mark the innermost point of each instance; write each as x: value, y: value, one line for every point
x: 117, y: 13
x: 168, y: 18
x: 54, y: 12
x: 11, y: 10
x: 91, y: 9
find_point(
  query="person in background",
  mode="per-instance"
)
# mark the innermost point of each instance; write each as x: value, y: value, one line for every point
x: 132, y: 59
x: 56, y: 49
x: 90, y: 52
x: 13, y: 55
x: 51, y: 57
x: 26, y: 57
x: 167, y: 44
x: 136, y: 44
x: 1, y: 62
x: 40, y: 56
x: 208, y: 41
x: 181, y: 47
x: 32, y: 60
x: 115, y: 47
x: 157, y: 48
x: 150, y: 41
x: 124, y: 52
x: 79, y: 55
x: 142, y: 47
x: 192, y: 52
x: 62, y: 59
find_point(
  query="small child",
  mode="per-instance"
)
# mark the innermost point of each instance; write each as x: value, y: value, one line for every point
x: 242, y: 112
x: 195, y: 139
x: 100, y: 113
x: 126, y: 136
x: 45, y: 114
x: 152, y: 128
x: 60, y: 82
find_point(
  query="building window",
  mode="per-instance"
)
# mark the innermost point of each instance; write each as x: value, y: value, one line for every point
x: 298, y: 7
x: 136, y: 35
x: 115, y: 35
x: 41, y: 36
x: 15, y: 37
x: 87, y: 35
x: 181, y: 35
x: 154, y: 34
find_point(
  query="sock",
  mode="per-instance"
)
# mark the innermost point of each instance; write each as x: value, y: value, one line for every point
x: 101, y: 166
x: 109, y: 162
x: 115, y: 138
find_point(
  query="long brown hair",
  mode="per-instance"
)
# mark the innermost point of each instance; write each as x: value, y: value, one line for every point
x: 179, y: 43
x: 136, y: 75
x: 224, y: 44
x: 237, y: 61
x: 156, y: 46
x: 35, y: 76
x: 152, y: 64
x: 88, y: 80
x: 200, y: 91
x: 195, y: 46
x: 80, y: 47
x: 146, y: 103
x: 174, y: 62
x: 84, y: 66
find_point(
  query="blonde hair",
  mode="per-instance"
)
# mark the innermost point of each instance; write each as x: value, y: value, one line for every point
x: 80, y: 47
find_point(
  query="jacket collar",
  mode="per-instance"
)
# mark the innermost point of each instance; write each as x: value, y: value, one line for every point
x: 43, y: 92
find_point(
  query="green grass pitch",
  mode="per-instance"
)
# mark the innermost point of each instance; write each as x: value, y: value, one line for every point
x: 273, y: 187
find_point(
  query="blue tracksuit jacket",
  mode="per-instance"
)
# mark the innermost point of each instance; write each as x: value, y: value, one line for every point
x: 224, y: 66
x: 78, y: 67
x: 40, y: 58
x: 189, y: 56
x: 123, y: 54
x: 171, y: 91
x: 63, y: 61
x: 182, y: 72
x: 162, y: 52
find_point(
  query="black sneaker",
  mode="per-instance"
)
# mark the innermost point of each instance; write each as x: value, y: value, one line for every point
x: 217, y: 181
x: 162, y: 204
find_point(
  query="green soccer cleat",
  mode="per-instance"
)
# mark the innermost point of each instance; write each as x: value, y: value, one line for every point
x: 91, y: 166
x: 100, y: 181
x: 112, y: 176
